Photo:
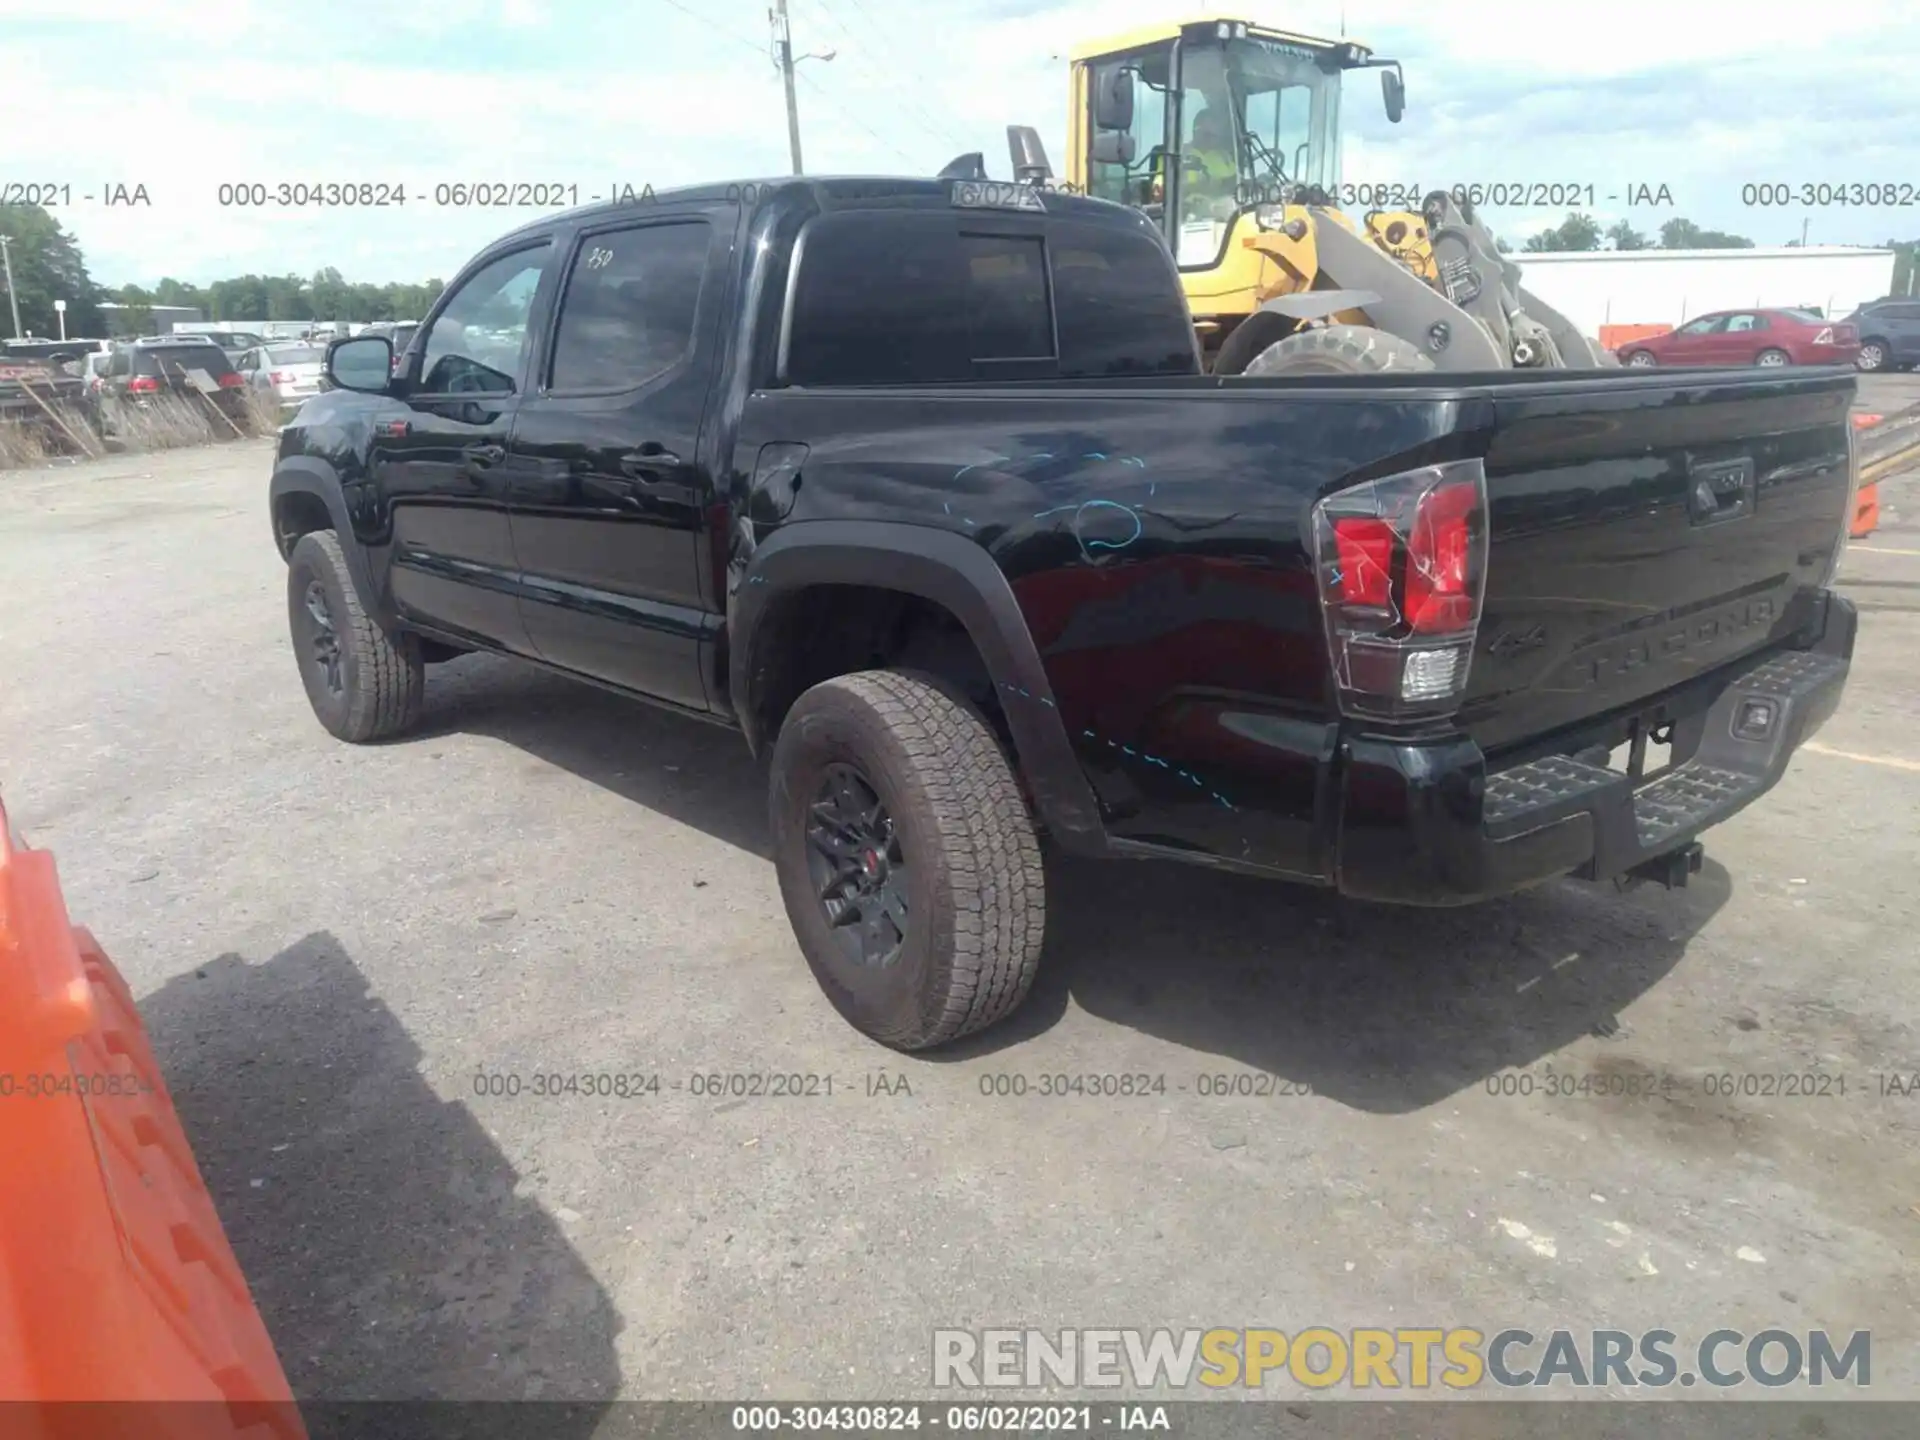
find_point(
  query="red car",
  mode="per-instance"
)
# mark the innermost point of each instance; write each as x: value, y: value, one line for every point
x: 1749, y: 337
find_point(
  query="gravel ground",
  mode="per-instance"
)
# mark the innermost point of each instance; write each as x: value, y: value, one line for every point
x: 331, y: 944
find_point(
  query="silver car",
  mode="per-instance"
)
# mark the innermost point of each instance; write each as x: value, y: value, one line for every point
x: 290, y: 372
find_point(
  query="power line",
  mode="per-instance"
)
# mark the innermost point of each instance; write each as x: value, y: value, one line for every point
x: 835, y: 105
x: 721, y: 30
x: 911, y: 108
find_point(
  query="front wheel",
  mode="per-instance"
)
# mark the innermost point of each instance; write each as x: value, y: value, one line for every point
x: 906, y: 858
x: 363, y: 683
x: 1872, y: 356
x: 1641, y: 360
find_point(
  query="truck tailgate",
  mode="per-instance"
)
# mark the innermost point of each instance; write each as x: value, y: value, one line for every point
x: 1644, y: 534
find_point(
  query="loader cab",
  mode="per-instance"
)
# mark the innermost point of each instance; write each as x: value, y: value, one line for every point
x: 1199, y: 124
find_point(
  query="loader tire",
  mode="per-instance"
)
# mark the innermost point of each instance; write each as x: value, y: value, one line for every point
x: 1339, y: 350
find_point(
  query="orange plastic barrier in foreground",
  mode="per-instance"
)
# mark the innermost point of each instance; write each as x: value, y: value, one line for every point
x: 116, y: 1279
x: 1612, y: 337
x: 1866, y: 512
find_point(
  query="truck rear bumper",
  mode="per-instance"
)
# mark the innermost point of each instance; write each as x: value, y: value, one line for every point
x: 1432, y: 824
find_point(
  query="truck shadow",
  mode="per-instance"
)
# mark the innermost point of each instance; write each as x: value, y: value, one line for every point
x: 378, y: 1225
x: 1379, y: 1007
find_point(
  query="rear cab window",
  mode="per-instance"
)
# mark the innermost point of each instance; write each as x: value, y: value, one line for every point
x: 884, y: 297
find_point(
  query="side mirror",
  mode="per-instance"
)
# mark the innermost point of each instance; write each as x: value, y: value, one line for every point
x: 365, y: 364
x: 1113, y: 147
x: 1113, y: 99
x: 1393, y: 90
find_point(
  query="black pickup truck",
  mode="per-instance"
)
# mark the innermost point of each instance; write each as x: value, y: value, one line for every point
x: 918, y: 484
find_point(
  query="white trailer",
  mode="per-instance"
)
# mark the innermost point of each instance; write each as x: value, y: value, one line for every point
x: 1593, y: 288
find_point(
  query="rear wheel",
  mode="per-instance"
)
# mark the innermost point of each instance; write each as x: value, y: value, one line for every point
x: 1872, y: 356
x: 1773, y: 358
x: 906, y: 858
x: 1339, y: 350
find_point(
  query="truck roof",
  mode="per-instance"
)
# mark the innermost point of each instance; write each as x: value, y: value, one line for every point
x: 834, y: 192
x: 1165, y: 30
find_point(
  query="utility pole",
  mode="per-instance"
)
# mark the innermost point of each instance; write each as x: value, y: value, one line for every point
x: 784, y: 57
x: 1803, y: 231
x: 6, y: 254
x: 783, y: 41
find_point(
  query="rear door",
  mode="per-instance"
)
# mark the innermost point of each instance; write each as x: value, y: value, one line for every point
x: 1646, y: 531
x: 1903, y: 325
x: 1741, y: 339
x: 441, y: 470
x: 609, y: 493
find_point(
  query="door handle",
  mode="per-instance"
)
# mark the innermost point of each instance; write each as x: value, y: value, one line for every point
x: 479, y: 457
x: 645, y: 463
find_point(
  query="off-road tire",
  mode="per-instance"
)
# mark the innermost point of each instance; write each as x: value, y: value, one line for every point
x: 382, y: 678
x: 1339, y: 350
x: 976, y: 892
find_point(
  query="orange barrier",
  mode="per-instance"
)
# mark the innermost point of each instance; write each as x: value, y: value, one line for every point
x: 1612, y: 337
x: 1866, y: 512
x: 116, y: 1279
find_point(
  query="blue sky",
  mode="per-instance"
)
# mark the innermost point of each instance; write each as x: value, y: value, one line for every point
x: 180, y: 95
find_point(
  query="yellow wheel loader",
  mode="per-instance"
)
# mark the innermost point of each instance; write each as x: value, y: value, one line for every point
x: 1227, y: 134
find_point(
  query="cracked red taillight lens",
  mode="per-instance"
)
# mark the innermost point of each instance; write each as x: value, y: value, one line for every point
x: 1402, y: 564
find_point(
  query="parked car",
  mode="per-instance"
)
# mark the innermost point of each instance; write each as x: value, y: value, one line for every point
x: 234, y: 342
x: 938, y: 510
x: 400, y: 332
x: 1749, y: 337
x: 289, y: 372
x: 1889, y: 333
x: 139, y: 374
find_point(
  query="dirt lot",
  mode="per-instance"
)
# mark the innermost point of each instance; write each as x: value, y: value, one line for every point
x: 331, y: 944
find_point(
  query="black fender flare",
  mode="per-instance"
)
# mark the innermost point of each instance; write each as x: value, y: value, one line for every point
x: 957, y: 574
x: 309, y: 475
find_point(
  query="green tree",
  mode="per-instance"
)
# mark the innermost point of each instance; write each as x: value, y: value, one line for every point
x: 137, y: 318
x: 1625, y: 237
x: 1576, y: 232
x: 1683, y: 234
x: 48, y: 266
x: 177, y: 292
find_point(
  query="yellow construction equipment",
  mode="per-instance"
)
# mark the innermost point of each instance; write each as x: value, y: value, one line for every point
x: 1227, y: 134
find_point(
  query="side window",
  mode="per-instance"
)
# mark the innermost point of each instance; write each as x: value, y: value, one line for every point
x: 1738, y: 324
x: 629, y: 306
x: 475, y: 345
x: 1125, y: 165
x: 1711, y: 325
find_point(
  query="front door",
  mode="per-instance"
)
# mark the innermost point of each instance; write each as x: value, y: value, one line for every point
x: 610, y: 495
x: 1693, y: 343
x: 440, y: 465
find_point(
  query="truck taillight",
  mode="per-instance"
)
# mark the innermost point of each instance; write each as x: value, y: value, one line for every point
x: 143, y: 384
x: 1402, y: 565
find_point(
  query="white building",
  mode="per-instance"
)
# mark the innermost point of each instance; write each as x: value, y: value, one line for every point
x: 1593, y: 288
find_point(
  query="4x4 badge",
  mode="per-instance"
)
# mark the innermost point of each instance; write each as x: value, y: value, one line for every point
x: 1512, y: 642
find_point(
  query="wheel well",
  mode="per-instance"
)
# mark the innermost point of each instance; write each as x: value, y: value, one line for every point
x: 297, y: 513
x: 816, y: 632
